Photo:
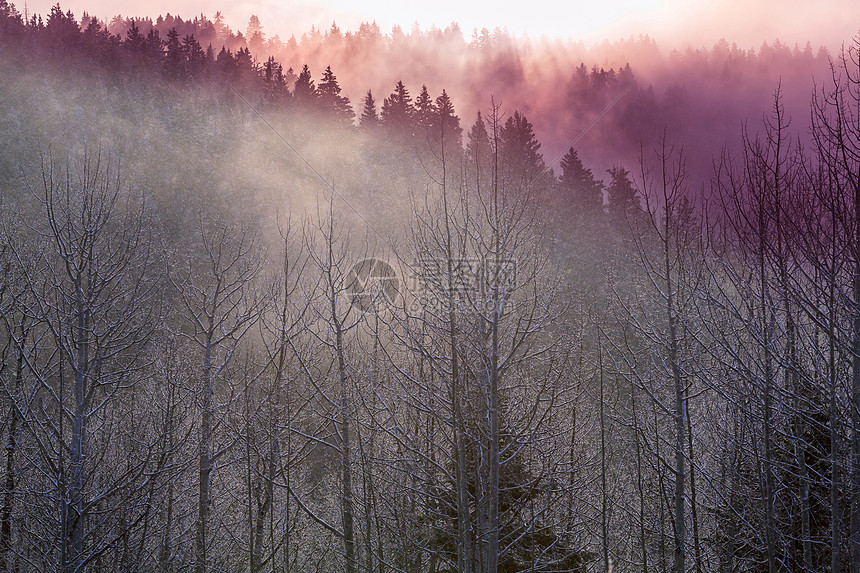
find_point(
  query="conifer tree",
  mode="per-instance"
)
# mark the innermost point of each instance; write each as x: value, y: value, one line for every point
x: 519, y: 153
x: 195, y: 57
x: 478, y: 143
x: 446, y: 126
x: 444, y: 112
x: 304, y: 92
x: 330, y: 101
x: 622, y: 196
x: 584, y: 191
x: 153, y: 47
x: 369, y: 116
x: 397, y: 109
x: 424, y: 110
x: 276, y: 90
x: 134, y: 40
x: 173, y: 58
x: 225, y: 63
x: 246, y: 67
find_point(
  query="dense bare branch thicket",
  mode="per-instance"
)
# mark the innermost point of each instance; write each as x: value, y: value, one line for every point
x: 247, y: 335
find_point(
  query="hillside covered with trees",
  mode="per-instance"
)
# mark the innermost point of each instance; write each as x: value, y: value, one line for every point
x: 366, y: 301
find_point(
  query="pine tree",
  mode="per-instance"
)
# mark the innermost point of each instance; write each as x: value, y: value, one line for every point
x: 330, y: 101
x: 154, y: 47
x: 446, y: 124
x: 225, y: 63
x: 623, y: 201
x: 134, y: 40
x: 304, y: 92
x: 397, y: 109
x: 584, y: 191
x: 424, y: 111
x: 222, y: 30
x: 479, y: 153
x: 174, y: 62
x: 98, y: 42
x: 519, y: 153
x: 254, y: 27
x: 11, y: 22
x: 254, y: 34
x: 369, y: 117
x: 195, y: 57
x: 62, y: 28
x: 246, y: 68
x: 276, y: 90
x: 444, y: 112
x: 478, y: 144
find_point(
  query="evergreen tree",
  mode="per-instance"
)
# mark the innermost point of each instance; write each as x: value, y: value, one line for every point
x: 585, y: 192
x: 424, y: 111
x: 135, y: 42
x: 254, y: 27
x: 222, y: 30
x: 369, y: 117
x: 533, y: 542
x: 276, y: 91
x: 290, y: 80
x: 444, y: 112
x: 225, y: 63
x: 174, y: 61
x: 446, y: 124
x: 304, y: 91
x: 330, y: 101
x: 519, y: 153
x: 99, y: 44
x: 154, y: 47
x: 195, y: 57
x: 62, y: 29
x: 11, y: 22
x: 246, y: 68
x: 479, y: 153
x: 623, y: 201
x: 254, y: 34
x: 478, y: 143
x: 397, y: 109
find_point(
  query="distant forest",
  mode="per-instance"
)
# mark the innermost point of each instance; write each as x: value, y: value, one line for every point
x: 561, y: 86
x: 411, y: 302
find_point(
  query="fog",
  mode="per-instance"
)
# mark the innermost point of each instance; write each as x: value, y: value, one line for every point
x: 251, y: 320
x: 676, y: 85
x: 675, y: 23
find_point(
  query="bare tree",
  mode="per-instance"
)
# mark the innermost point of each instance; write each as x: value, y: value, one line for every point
x: 836, y: 127
x: 91, y: 292
x: 216, y: 290
x: 673, y: 275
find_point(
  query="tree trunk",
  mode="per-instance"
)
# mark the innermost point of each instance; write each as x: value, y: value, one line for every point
x: 694, y: 511
x: 495, y: 438
x: 11, y: 447
x: 640, y: 488
x: 679, y: 388
x: 604, y: 493
x: 855, y: 395
x: 204, y: 459
x: 345, y: 454
x: 464, y: 531
x: 75, y: 512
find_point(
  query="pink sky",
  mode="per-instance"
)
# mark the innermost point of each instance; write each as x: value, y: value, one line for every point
x: 672, y: 22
